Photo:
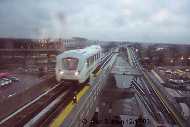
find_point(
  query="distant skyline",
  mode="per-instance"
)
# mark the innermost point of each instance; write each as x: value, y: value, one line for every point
x: 133, y: 20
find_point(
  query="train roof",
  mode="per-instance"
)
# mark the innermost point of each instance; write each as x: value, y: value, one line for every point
x: 86, y: 52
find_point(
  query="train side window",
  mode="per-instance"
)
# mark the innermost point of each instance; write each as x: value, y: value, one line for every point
x: 91, y: 60
x: 88, y: 62
x: 94, y: 58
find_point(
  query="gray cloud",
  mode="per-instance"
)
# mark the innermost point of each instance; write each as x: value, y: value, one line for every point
x: 136, y: 20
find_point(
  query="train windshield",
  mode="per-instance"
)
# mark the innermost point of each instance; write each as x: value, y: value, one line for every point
x: 70, y: 63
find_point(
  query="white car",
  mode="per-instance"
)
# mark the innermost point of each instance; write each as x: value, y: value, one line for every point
x: 2, y: 82
x: 6, y: 81
x: 175, y: 81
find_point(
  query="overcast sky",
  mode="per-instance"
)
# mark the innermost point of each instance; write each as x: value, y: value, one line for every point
x: 134, y: 20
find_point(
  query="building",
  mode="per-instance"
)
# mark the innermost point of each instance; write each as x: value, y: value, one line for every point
x: 35, y: 53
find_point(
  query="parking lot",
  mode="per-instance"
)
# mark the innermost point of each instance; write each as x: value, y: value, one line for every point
x: 18, y: 93
x: 175, y: 74
x: 25, y: 81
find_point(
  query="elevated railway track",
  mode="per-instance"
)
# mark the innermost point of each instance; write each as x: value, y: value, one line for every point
x: 65, y: 104
x: 23, y: 115
x: 168, y: 109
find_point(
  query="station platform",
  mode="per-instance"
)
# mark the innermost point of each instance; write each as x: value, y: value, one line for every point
x: 119, y: 99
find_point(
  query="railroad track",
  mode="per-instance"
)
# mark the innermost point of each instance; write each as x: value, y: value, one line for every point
x: 36, y: 111
x: 162, y: 101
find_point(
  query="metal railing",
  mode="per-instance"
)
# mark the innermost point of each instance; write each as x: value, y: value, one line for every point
x: 86, y: 107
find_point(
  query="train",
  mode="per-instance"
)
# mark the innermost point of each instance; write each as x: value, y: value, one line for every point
x: 77, y: 65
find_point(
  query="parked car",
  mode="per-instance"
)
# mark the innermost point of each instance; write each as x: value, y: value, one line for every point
x: 5, y: 81
x: 2, y: 82
x: 168, y: 72
x: 14, y: 79
x: 8, y: 80
x: 176, y: 81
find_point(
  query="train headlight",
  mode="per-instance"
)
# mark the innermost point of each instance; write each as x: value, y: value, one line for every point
x: 76, y: 73
x: 61, y: 72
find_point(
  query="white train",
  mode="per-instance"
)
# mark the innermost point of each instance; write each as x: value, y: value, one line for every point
x: 77, y: 65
